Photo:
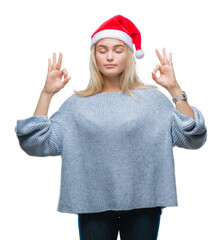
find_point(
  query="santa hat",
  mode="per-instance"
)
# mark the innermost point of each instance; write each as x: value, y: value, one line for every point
x: 120, y: 28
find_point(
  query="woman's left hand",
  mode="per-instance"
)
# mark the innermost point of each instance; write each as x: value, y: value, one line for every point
x: 167, y: 77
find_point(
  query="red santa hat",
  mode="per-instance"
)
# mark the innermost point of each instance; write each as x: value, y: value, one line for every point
x: 120, y: 28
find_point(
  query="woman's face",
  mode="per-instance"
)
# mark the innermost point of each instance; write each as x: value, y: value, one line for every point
x: 111, y: 51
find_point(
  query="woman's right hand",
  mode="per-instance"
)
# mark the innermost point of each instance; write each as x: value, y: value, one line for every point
x: 53, y: 82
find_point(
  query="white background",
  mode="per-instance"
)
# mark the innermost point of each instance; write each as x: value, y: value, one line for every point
x: 32, y: 30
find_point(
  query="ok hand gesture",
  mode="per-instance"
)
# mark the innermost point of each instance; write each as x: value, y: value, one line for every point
x: 53, y: 82
x: 167, y: 77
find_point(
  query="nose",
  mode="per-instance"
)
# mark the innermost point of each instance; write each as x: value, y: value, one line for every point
x: 109, y: 56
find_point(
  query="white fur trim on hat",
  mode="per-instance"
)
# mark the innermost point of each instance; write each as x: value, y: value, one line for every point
x: 112, y: 33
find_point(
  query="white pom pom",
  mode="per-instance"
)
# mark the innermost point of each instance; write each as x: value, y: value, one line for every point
x: 139, y: 53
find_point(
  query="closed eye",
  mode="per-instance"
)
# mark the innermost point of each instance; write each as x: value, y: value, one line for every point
x: 115, y: 51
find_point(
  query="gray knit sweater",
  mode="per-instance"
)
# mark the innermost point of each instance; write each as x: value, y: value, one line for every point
x: 117, y: 152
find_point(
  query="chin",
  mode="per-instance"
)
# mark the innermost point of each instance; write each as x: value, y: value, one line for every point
x: 111, y: 73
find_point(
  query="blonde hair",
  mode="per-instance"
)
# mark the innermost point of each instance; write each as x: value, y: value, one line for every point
x: 128, y: 78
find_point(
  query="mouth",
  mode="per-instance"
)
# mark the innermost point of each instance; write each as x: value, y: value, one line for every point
x: 110, y: 65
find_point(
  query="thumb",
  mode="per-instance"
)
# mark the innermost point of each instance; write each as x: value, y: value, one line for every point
x: 65, y: 81
x: 154, y: 77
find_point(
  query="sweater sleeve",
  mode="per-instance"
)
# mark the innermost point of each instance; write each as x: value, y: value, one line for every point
x: 42, y: 136
x: 187, y: 132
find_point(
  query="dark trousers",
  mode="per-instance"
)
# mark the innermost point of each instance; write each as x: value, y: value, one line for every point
x: 136, y: 224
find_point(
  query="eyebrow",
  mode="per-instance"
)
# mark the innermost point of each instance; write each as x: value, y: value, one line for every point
x: 119, y: 45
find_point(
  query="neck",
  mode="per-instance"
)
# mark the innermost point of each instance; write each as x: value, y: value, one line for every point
x: 111, y: 84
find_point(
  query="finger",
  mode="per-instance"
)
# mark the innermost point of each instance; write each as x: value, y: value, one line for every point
x: 64, y: 72
x: 170, y: 60
x: 49, y: 65
x: 159, y: 56
x: 165, y: 56
x: 158, y: 67
x: 59, y: 64
x: 54, y: 61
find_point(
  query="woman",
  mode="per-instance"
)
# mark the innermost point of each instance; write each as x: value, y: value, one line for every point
x: 115, y: 138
